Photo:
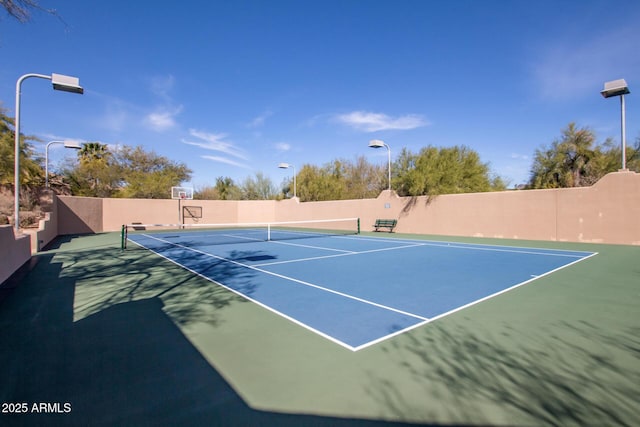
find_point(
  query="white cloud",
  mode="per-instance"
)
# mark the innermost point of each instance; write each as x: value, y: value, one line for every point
x: 162, y: 120
x: 371, y: 122
x: 215, y: 142
x: 259, y: 121
x: 164, y: 116
x: 225, y: 160
x: 283, y: 146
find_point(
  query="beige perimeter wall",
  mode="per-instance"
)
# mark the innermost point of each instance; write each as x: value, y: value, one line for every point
x: 608, y: 212
x: 14, y: 251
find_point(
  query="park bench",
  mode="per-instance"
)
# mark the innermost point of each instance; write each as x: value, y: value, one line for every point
x: 385, y: 223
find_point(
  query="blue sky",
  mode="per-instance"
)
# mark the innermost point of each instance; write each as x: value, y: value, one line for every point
x: 232, y: 88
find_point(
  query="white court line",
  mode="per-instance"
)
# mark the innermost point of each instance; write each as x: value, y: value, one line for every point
x: 479, y: 247
x: 414, y: 244
x: 495, y: 294
x: 309, y: 246
x: 248, y: 298
x: 331, y: 256
x: 233, y: 236
x: 348, y: 253
x: 302, y: 282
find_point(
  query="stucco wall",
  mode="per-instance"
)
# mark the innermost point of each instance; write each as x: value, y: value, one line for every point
x: 47, y: 231
x: 80, y: 215
x: 608, y: 212
x: 13, y: 251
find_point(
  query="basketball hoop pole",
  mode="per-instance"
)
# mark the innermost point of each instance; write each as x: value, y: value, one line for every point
x: 181, y: 193
x: 180, y: 215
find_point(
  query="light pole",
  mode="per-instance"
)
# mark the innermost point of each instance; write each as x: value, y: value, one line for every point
x: 287, y: 166
x: 60, y: 82
x: 619, y: 88
x: 67, y: 144
x: 376, y: 143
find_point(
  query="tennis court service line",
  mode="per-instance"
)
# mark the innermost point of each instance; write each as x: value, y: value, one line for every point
x: 348, y: 253
x: 310, y: 246
x: 292, y: 279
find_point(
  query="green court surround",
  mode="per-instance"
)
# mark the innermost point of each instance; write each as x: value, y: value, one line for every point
x: 129, y: 338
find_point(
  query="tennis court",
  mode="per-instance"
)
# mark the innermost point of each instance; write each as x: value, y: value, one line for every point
x: 353, y: 290
x: 198, y: 331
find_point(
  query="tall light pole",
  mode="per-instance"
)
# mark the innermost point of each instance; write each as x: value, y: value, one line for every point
x: 376, y: 143
x: 67, y: 144
x: 287, y: 166
x: 60, y: 82
x: 619, y: 88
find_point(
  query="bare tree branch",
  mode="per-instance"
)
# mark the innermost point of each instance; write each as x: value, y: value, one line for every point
x: 21, y: 9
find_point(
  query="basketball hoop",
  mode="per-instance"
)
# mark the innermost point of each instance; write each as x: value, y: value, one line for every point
x: 182, y: 193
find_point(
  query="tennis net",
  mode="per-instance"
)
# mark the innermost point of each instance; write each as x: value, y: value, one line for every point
x: 211, y: 234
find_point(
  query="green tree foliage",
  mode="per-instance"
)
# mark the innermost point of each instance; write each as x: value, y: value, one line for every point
x: 363, y: 179
x: 340, y: 180
x: 435, y: 171
x: 129, y: 172
x: 320, y: 183
x: 31, y: 171
x: 96, y: 173
x: 258, y: 187
x: 576, y: 160
x: 147, y: 175
x: 225, y: 189
x: 206, y: 192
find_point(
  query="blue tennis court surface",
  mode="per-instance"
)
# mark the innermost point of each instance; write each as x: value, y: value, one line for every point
x: 357, y: 290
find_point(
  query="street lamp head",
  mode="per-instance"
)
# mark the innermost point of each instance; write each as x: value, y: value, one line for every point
x: 619, y: 88
x: 66, y: 83
x: 287, y: 166
x: 72, y: 144
x: 615, y: 88
x: 376, y: 143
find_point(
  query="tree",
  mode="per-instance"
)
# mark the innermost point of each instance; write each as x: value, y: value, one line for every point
x: 147, y: 175
x: 227, y: 189
x: 364, y: 180
x: 31, y: 172
x: 91, y: 151
x: 435, y: 171
x: 576, y: 160
x: 258, y: 188
x: 96, y: 173
x: 224, y: 189
x: 321, y: 183
x: 129, y: 172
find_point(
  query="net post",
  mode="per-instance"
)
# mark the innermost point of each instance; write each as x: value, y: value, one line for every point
x: 358, y: 232
x: 268, y: 232
x: 123, y: 237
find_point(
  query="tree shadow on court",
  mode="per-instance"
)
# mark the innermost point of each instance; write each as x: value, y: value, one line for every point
x: 576, y: 373
x: 126, y: 364
x: 107, y: 276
